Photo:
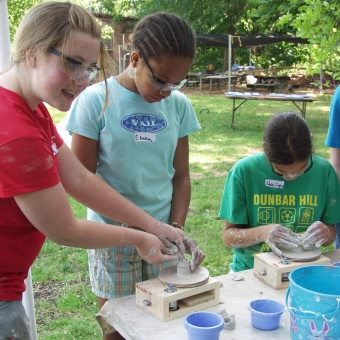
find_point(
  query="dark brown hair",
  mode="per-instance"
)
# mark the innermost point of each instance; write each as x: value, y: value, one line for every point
x: 163, y: 33
x: 287, y: 139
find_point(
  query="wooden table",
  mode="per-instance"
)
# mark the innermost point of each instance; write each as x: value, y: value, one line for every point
x: 278, y: 80
x: 135, y: 324
x: 283, y: 98
x: 219, y: 78
x: 270, y: 82
x: 198, y: 77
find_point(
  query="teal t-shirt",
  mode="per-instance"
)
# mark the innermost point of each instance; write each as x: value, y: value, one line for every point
x: 137, y: 142
x: 254, y: 196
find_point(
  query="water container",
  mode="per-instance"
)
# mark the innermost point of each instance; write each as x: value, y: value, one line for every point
x: 314, y: 306
x: 203, y: 326
x: 265, y: 314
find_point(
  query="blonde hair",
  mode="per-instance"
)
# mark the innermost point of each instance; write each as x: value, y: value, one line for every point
x: 50, y: 24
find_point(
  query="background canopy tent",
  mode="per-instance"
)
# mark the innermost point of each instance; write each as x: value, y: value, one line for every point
x: 245, y: 40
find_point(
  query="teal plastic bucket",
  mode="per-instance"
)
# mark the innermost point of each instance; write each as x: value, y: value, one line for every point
x: 203, y: 326
x: 314, y: 306
x: 310, y: 325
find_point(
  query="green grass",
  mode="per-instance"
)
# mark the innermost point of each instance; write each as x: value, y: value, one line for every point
x: 65, y: 306
x: 56, y: 115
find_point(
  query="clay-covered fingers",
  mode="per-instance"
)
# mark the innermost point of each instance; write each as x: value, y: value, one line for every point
x: 282, y: 235
x: 153, y: 250
x: 274, y: 248
x: 175, y: 235
x: 191, y: 248
x: 317, y: 233
x: 169, y: 244
x: 181, y: 256
x: 174, y: 249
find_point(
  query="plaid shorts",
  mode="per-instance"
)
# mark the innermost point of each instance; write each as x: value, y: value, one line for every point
x: 114, y: 272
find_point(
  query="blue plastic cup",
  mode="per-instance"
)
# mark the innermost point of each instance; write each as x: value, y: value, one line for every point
x: 203, y: 326
x: 265, y: 314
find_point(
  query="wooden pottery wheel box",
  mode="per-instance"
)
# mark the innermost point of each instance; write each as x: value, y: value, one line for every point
x: 274, y: 270
x: 177, y: 292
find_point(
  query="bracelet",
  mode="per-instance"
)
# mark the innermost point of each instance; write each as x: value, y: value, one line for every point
x: 178, y: 226
x: 133, y: 227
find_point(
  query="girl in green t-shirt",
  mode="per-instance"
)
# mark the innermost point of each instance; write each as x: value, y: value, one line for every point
x: 286, y: 195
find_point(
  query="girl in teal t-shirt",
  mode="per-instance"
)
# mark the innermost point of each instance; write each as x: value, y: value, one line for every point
x: 140, y: 145
x: 286, y: 195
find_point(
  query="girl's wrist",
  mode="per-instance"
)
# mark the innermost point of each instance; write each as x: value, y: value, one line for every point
x: 178, y: 226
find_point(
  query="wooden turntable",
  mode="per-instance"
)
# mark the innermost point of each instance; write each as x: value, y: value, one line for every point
x: 177, y: 292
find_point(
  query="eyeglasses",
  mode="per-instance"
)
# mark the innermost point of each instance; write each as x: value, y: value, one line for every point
x: 294, y: 175
x: 75, y: 69
x: 163, y: 85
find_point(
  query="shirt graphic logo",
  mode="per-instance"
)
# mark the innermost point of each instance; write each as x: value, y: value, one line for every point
x: 287, y: 215
x: 306, y: 215
x: 266, y: 215
x: 141, y: 122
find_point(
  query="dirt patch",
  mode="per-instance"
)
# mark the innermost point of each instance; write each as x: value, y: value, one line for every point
x: 46, y: 294
x: 50, y: 289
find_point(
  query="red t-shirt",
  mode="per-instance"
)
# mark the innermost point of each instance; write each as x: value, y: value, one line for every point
x: 29, y: 144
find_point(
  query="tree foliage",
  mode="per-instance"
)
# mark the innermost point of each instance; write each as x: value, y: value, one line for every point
x: 265, y: 16
x: 319, y: 22
x: 16, y: 10
x: 228, y: 17
x: 316, y: 20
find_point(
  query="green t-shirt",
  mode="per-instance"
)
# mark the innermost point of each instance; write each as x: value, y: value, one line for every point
x: 254, y: 195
